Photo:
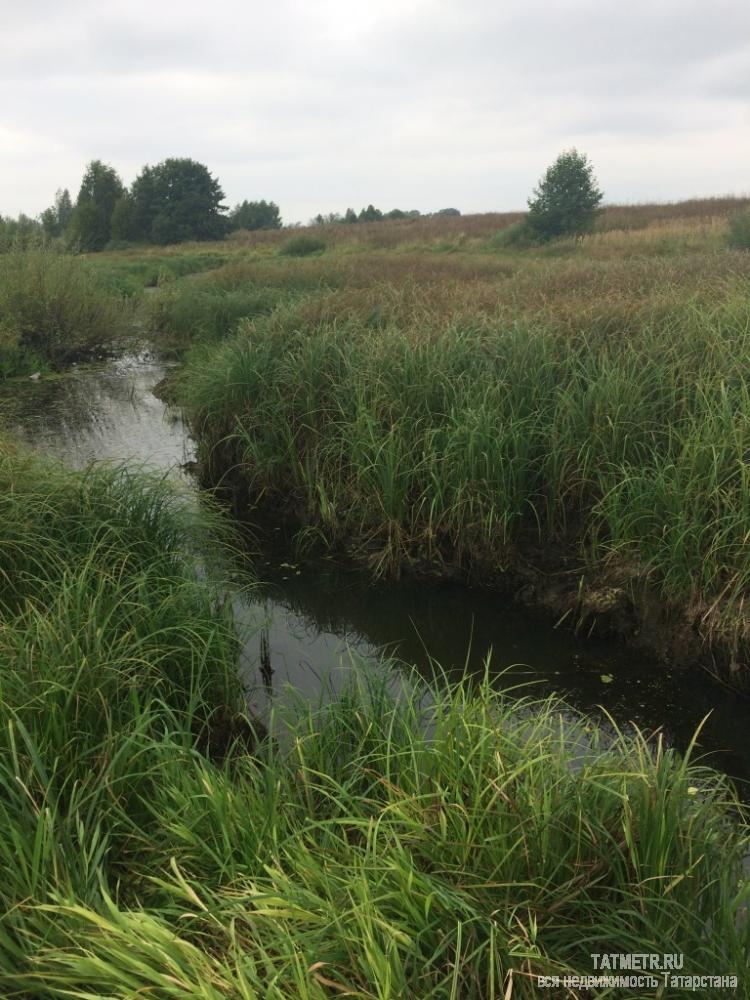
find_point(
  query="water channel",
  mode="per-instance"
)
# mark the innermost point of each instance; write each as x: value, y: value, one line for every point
x: 305, y: 618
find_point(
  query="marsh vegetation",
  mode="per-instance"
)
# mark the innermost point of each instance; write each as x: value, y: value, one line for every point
x: 472, y: 409
x: 428, y: 400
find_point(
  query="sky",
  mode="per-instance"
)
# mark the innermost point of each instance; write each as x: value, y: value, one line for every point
x: 324, y: 104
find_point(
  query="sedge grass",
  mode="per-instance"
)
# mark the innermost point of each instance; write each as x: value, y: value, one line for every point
x: 53, y: 309
x: 471, y: 435
x: 397, y: 842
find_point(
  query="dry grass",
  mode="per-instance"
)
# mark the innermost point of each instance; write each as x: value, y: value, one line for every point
x: 455, y: 231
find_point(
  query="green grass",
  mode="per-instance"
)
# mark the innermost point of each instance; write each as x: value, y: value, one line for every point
x: 396, y: 842
x: 371, y: 858
x: 54, y: 308
x: 130, y: 272
x: 461, y: 438
x: 400, y: 841
x: 206, y: 310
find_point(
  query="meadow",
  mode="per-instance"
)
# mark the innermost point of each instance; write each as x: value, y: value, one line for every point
x: 399, y: 841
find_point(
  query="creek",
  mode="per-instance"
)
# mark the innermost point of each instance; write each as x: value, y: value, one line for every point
x: 306, y: 617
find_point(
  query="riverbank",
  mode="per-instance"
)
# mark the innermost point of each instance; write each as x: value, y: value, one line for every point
x: 315, y: 607
x: 571, y: 427
x: 396, y: 842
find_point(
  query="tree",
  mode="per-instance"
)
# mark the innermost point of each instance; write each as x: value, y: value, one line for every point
x: 566, y: 201
x: 22, y: 232
x: 370, y: 214
x: 350, y: 216
x: 143, y: 207
x: 255, y: 215
x: 56, y: 218
x: 91, y: 219
x: 177, y: 200
x: 123, y: 225
x: 329, y: 219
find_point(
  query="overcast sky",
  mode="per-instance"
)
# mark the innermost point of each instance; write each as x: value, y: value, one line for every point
x: 404, y: 103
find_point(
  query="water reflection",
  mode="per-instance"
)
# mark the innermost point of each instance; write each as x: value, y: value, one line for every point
x: 316, y: 613
x: 102, y: 411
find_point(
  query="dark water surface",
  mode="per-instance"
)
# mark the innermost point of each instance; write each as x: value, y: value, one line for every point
x: 306, y: 619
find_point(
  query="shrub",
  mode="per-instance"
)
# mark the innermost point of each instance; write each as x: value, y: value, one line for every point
x: 739, y: 230
x: 302, y: 246
x: 517, y: 236
x: 55, y: 306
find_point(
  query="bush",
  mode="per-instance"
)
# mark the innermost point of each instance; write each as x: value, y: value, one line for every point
x: 515, y: 237
x: 302, y: 246
x: 56, y: 307
x: 739, y: 230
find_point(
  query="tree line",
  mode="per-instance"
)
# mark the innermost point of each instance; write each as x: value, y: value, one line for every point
x: 372, y: 214
x: 174, y: 201
x: 179, y: 200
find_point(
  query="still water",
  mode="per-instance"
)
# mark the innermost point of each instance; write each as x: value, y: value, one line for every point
x: 306, y: 618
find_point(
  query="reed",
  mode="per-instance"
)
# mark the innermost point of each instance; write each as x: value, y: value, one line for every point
x: 54, y: 309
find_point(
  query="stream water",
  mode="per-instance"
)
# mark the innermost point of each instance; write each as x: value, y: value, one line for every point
x: 305, y: 618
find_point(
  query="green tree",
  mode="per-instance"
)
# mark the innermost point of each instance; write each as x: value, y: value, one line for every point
x: 370, y: 214
x: 123, y: 219
x: 329, y: 219
x: 350, y: 216
x: 143, y: 201
x: 177, y: 200
x: 20, y: 233
x: 91, y: 220
x: 56, y: 219
x: 567, y: 198
x: 255, y: 215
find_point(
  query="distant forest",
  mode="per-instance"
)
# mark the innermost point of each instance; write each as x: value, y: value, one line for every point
x: 175, y: 201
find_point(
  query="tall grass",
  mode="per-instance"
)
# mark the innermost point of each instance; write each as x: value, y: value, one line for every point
x: 397, y: 842
x: 53, y: 308
x: 108, y: 644
x: 207, y: 310
x: 595, y: 406
x: 131, y: 271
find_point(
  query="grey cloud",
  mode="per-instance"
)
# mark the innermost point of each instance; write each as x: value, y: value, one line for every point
x: 410, y: 102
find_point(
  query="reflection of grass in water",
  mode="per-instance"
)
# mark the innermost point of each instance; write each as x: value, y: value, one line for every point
x: 404, y: 843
